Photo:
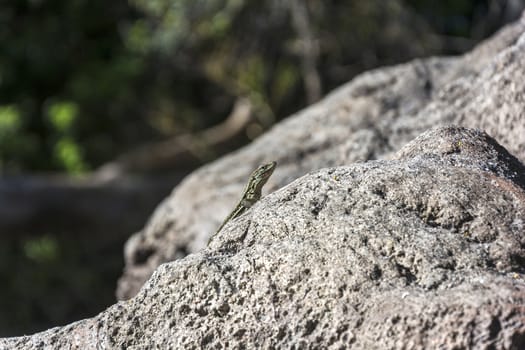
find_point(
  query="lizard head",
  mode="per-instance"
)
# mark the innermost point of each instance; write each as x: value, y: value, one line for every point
x: 264, y: 171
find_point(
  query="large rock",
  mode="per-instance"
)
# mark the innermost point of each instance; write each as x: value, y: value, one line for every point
x: 423, y: 251
x: 369, y: 118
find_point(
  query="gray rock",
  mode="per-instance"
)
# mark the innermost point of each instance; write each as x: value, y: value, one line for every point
x: 423, y: 251
x: 370, y: 118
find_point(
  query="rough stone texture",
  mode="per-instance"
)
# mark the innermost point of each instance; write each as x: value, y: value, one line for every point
x: 371, y: 117
x: 423, y: 251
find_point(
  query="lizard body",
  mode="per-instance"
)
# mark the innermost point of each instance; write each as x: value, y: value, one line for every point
x: 252, y: 192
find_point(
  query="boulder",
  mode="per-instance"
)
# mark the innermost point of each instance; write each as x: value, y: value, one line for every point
x: 369, y: 118
x: 424, y: 250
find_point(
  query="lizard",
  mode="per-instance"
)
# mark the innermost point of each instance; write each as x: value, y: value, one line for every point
x: 251, y: 194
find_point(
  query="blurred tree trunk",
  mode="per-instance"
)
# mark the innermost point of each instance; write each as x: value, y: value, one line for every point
x: 31, y: 205
x: 187, y: 150
x: 309, y: 50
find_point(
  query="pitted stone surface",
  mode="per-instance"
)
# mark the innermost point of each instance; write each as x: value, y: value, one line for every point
x: 426, y: 250
x: 369, y: 118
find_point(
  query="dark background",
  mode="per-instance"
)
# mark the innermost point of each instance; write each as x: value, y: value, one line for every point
x: 87, y: 88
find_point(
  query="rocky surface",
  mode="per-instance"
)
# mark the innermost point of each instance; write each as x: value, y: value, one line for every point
x: 370, y: 118
x: 409, y: 237
x: 423, y: 251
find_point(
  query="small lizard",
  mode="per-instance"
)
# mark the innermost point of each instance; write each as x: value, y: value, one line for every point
x: 252, y: 192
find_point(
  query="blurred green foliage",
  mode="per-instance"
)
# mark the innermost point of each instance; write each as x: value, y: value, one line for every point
x: 41, y: 250
x: 83, y: 81
x: 42, y: 290
x: 67, y: 151
x: 62, y: 115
